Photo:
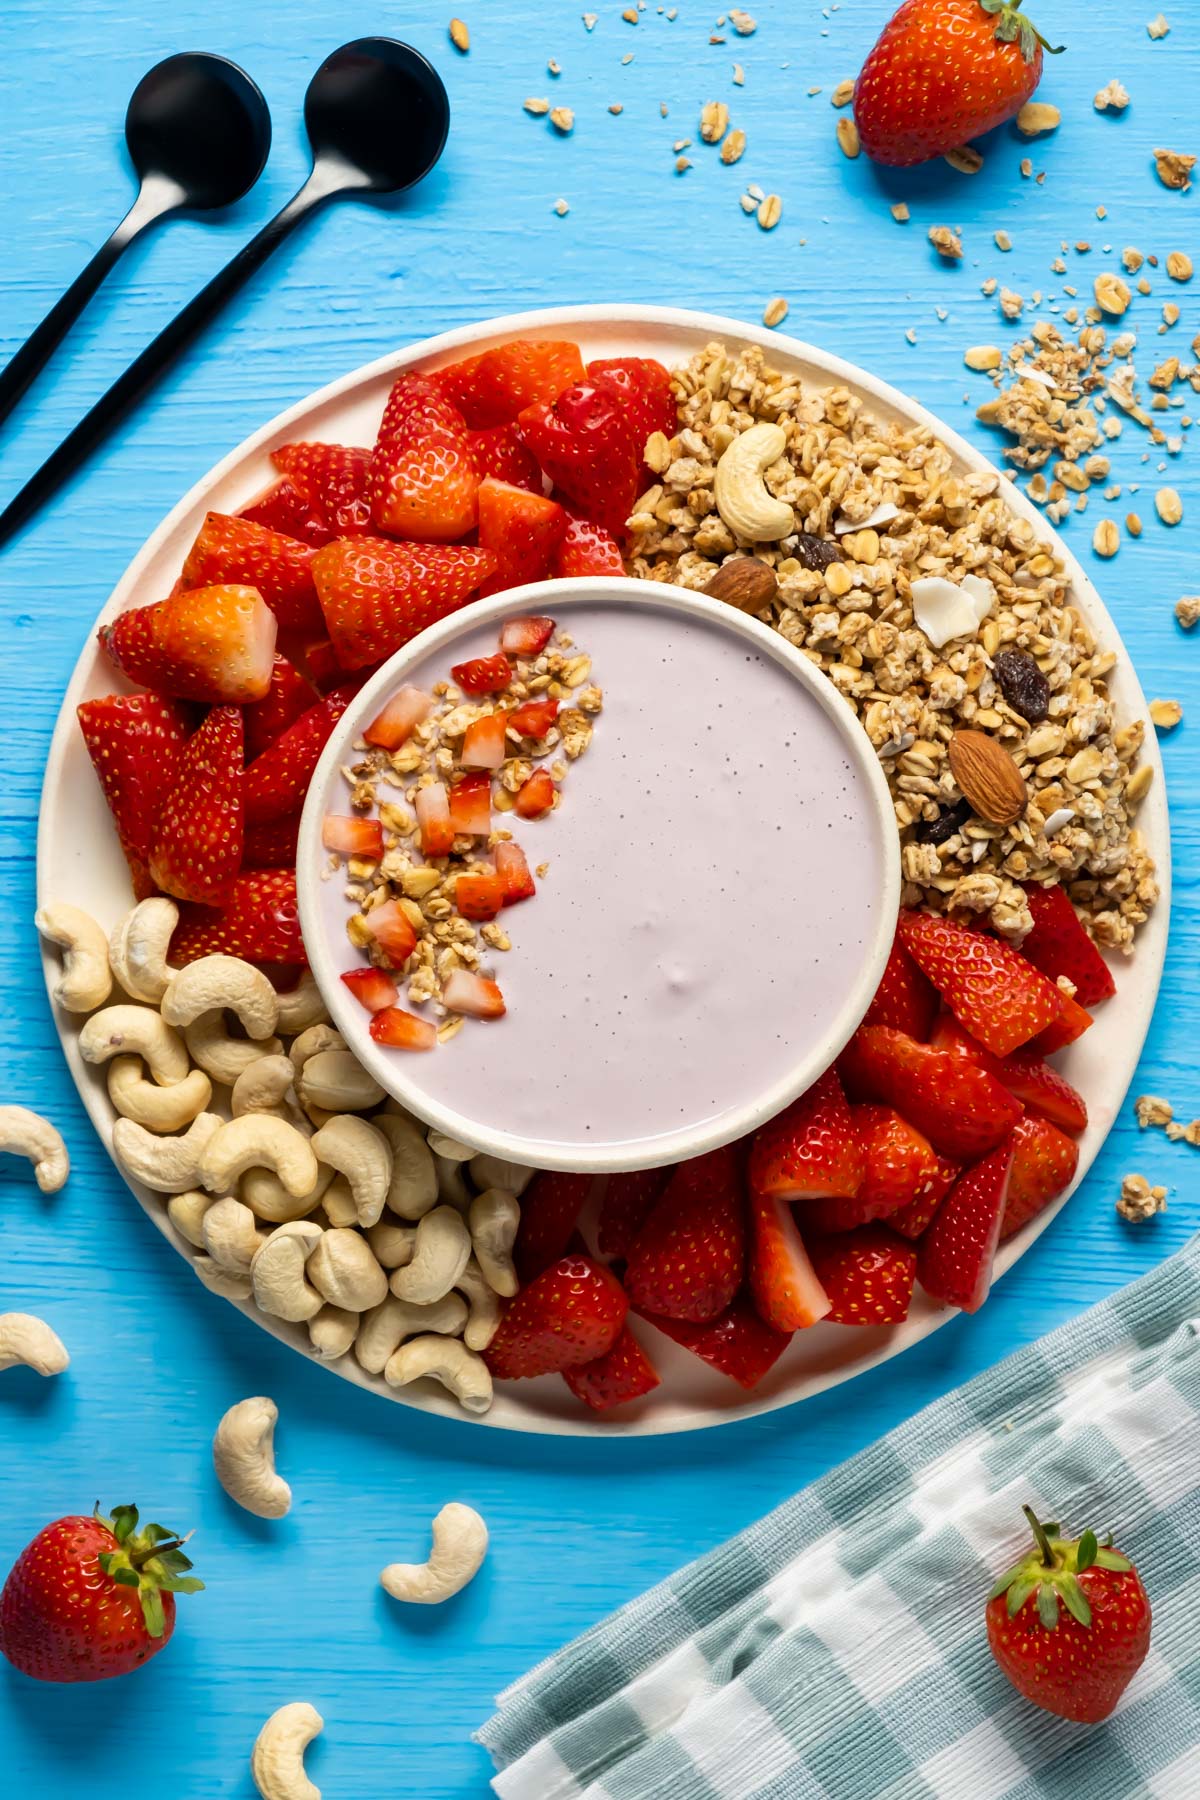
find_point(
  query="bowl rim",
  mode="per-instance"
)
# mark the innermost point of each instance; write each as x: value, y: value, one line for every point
x: 392, y: 1071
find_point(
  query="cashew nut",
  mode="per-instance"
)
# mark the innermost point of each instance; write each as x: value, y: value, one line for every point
x: 277, y: 1272
x: 219, y: 1053
x: 317, y: 1115
x: 751, y: 512
x: 85, y: 982
x: 447, y: 1360
x: 301, y: 1007
x: 493, y: 1219
x: 256, y: 1140
x: 332, y: 1332
x: 359, y: 1151
x: 137, y: 949
x: 25, y: 1133
x: 452, y: 1189
x: 486, y: 1312
x: 169, y: 1165
x: 277, y: 1760
x: 28, y: 1342
x: 244, y: 1458
x: 413, y: 1190
x: 440, y: 1255
x: 262, y: 1087
x: 344, y: 1271
x: 460, y: 1541
x: 230, y: 1284
x: 394, y: 1245
x: 336, y: 1080
x: 135, y: 1031
x: 338, y: 1203
x: 266, y: 1195
x: 386, y: 1326
x: 157, y: 1108
x: 312, y: 1041
x: 186, y: 1212
x: 452, y: 1149
x: 230, y: 1234
x: 217, y: 983
x: 494, y: 1172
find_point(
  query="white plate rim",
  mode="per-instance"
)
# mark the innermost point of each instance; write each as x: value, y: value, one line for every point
x: 509, y: 1413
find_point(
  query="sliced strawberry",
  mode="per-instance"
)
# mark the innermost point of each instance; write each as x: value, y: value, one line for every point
x: 550, y: 1209
x: 399, y: 718
x: 527, y: 635
x: 587, y: 549
x: 1039, y: 1087
x: 737, y: 1344
x: 687, y: 1260
x: 135, y: 742
x: 391, y: 929
x: 473, y: 995
x: 376, y: 596
x: 987, y: 985
x: 643, y: 387
x: 214, y: 644
x: 1044, y: 1165
x: 1070, y: 1024
x: 513, y: 870
x: 905, y: 998
x: 471, y: 805
x: 483, y: 742
x: 536, y: 795
x: 372, y: 988
x: 587, y: 446
x: 1059, y: 945
x: 910, y: 1221
x: 479, y: 893
x: 787, y: 1291
x: 288, y: 696
x: 272, y: 845
x: 349, y: 836
x: 261, y: 923
x: 432, y: 807
x: 400, y: 1030
x: 522, y: 531
x: 499, y: 452
x: 231, y: 551
x: 196, y: 849
x: 900, y: 1165
x: 809, y: 1150
x: 962, y: 1109
x: 868, y: 1275
x: 514, y: 375
x: 284, y: 508
x: 483, y: 674
x: 277, y: 780
x: 534, y: 718
x: 457, y: 381
x: 569, y: 1315
x: 422, y: 484
x: 332, y: 480
x: 324, y: 669
x: 954, y: 1261
x: 622, y: 1374
x: 625, y: 1207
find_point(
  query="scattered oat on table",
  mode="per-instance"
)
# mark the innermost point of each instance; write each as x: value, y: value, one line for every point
x: 742, y: 23
x: 714, y: 121
x: 1174, y: 169
x: 1112, y: 294
x: 775, y: 311
x: 1037, y: 117
x: 1168, y: 506
x: 847, y: 136
x: 1187, y: 611
x: 947, y: 242
x: 1186, y: 1134
x: 770, y: 212
x: 967, y: 160
x: 1152, y: 1109
x: 537, y: 106
x: 1166, y: 714
x: 561, y: 208
x: 982, y: 357
x: 1111, y: 98
x: 1158, y: 27
x: 1179, y: 266
x: 1139, y: 1201
x: 734, y: 147
x: 842, y: 94
x: 460, y: 37
x: 1002, y: 240
x: 562, y: 119
x: 900, y: 213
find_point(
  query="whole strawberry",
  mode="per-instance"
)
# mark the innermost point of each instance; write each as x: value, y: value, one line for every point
x: 92, y: 1597
x: 1070, y: 1624
x: 943, y: 72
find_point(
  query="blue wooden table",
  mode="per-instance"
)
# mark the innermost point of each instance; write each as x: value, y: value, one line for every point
x: 293, y: 1611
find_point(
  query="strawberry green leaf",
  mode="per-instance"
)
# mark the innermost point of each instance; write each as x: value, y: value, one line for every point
x: 1006, y: 1580
x: 1047, y: 1605
x: 1087, y: 1551
x: 1075, y: 1599
x: 1110, y: 1559
x: 124, y: 1522
x: 1019, y: 1593
x: 152, y: 1611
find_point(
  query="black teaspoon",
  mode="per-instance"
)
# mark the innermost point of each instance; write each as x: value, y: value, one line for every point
x: 198, y: 132
x: 377, y: 118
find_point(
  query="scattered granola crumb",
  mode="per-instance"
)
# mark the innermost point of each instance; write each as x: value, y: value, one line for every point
x: 742, y: 23
x: 775, y: 311
x: 630, y: 15
x: 947, y: 242
x: 966, y: 159
x: 1187, y: 1134
x: 911, y: 335
x: 1002, y: 240
x: 1133, y: 523
x: 538, y: 107
x: 714, y: 121
x: 460, y: 37
x: 1026, y: 168
x: 847, y: 136
x: 900, y: 213
x: 1158, y: 27
x: 561, y: 208
x: 1179, y: 266
x: 1187, y: 611
x: 739, y: 75
x: 1139, y: 1201
x: 1036, y: 117
x: 616, y: 108
x: 562, y: 119
x: 1168, y: 506
x: 1152, y: 1109
x: 589, y: 21
x: 1131, y: 259
x: 842, y: 94
x: 1174, y: 169
x: 1106, y: 539
x: 1165, y: 714
x: 682, y: 163
x: 734, y: 147
x: 1112, y: 294
x: 770, y: 212
x: 1011, y: 304
x: 553, y: 68
x: 1111, y: 98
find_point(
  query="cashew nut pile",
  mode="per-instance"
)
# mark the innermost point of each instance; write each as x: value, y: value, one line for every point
x: 296, y: 1185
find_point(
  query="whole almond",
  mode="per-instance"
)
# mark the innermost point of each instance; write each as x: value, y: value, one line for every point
x: 744, y: 582
x: 988, y: 777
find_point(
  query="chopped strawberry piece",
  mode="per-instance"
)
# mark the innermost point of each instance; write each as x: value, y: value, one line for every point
x: 215, y: 644
x: 588, y: 447
x: 625, y: 1207
x: 1070, y: 1024
x: 499, y: 452
x: 535, y: 796
x: 483, y: 742
x: 277, y: 780
x: 900, y: 1166
x: 392, y: 931
x: 587, y: 549
x: 196, y: 849
x: 1044, y: 1165
x: 376, y: 596
x: 868, y: 1275
x: 811, y: 1149
x: 687, y: 1260
x: 522, y: 530
x: 479, y: 893
x: 526, y: 636
x: 513, y: 870
x: 910, y: 1221
x: 483, y: 674
x: 261, y: 923
x: 987, y: 985
x: 1039, y: 1087
x: 473, y: 995
x: 272, y: 844
x: 905, y: 998
x: 232, y: 551
x: 320, y: 659
x: 643, y: 387
x: 457, y: 381
x: 135, y: 742
x: 401, y: 1030
x: 516, y: 374
x: 569, y: 1315
x: 422, y: 483
x: 471, y: 805
x: 288, y: 696
x: 1059, y: 945
x: 399, y: 718
x: 954, y: 1261
x: 737, y: 1344
x: 622, y: 1374
x: 534, y: 718
x: 284, y: 508
x: 550, y: 1209
x: 352, y: 837
x: 432, y: 807
x: 787, y: 1290
x: 372, y: 988
x: 961, y: 1108
x: 332, y: 480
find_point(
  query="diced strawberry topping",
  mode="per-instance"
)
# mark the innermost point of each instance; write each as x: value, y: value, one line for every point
x: 288, y: 696
x: 550, y: 1209
x: 236, y: 551
x: 811, y: 1149
x: 483, y: 742
x: 277, y: 780
x: 389, y: 926
x: 399, y: 718
x: 905, y: 998
x: 587, y: 549
x: 568, y: 1316
x: 526, y: 636
x: 622, y: 1374
x: 535, y: 796
x: 479, y: 893
x: 376, y: 596
x: 349, y: 836
x: 474, y: 995
x: 515, y: 374
x: 1039, y: 1087
x: 787, y: 1290
x: 471, y: 805
x: 738, y: 1343
x: 401, y: 1030
x: 588, y: 447
x: 868, y: 1275
x: 534, y: 718
x: 687, y: 1260
x: 483, y: 674
x: 261, y: 923
x: 988, y: 986
x: 284, y: 508
x: 954, y: 1261
x: 372, y: 988
x: 910, y: 1221
x: 457, y: 381
x: 422, y: 484
x: 1044, y: 1165
x: 513, y: 870
x: 962, y: 1109
x: 432, y: 807
x: 215, y: 644
x: 1059, y: 945
x: 522, y: 530
x: 196, y: 848
x: 324, y: 669
x: 499, y: 452
x: 135, y: 742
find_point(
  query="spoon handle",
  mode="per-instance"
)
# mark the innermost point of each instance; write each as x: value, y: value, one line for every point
x: 157, y: 357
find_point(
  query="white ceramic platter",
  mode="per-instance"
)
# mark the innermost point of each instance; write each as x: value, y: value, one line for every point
x: 78, y: 852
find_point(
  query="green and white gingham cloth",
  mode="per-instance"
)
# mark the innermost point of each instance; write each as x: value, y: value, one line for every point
x: 836, y: 1650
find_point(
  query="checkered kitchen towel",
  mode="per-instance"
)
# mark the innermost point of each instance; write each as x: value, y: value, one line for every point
x: 836, y: 1650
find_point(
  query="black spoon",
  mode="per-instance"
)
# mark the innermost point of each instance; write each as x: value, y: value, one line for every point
x: 377, y: 118
x: 198, y: 132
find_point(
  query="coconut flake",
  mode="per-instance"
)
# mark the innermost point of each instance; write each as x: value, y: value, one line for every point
x: 1058, y: 819
x: 943, y: 610
x: 1030, y: 372
x: 982, y: 593
x: 883, y: 514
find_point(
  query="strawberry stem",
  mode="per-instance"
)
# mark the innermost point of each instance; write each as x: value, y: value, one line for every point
x: 1039, y: 1532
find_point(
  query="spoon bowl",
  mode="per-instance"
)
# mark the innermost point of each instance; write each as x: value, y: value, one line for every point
x: 199, y: 122
x: 379, y: 108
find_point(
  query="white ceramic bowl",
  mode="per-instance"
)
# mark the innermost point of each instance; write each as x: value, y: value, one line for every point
x: 512, y: 1082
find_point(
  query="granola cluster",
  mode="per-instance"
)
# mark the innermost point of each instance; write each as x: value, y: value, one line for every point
x: 889, y: 496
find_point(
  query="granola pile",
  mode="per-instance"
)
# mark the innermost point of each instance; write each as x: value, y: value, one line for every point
x: 889, y: 496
